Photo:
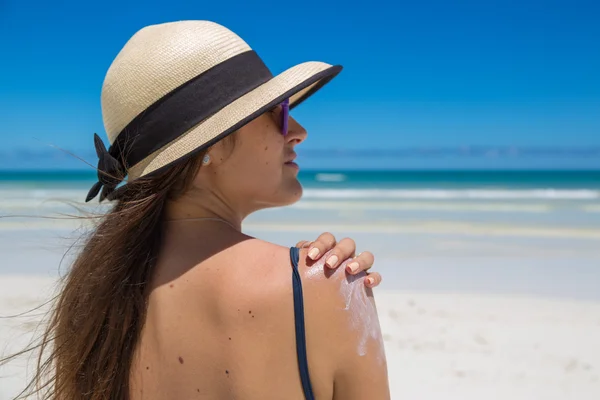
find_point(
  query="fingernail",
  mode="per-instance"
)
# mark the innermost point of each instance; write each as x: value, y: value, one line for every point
x: 353, y: 267
x: 313, y: 253
x: 331, y: 261
x: 370, y: 280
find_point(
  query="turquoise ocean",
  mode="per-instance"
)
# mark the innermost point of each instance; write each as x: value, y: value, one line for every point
x: 526, y: 232
x: 366, y: 179
x: 544, y: 197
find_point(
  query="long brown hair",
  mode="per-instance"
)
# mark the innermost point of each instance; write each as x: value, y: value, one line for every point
x: 96, y: 318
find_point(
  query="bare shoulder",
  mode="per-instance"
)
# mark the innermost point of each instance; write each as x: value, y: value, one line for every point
x: 336, y: 290
x: 261, y: 257
x: 258, y: 271
x: 342, y: 322
x: 247, y: 286
x: 343, y: 338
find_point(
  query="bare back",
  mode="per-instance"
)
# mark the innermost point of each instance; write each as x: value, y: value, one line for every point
x: 224, y: 328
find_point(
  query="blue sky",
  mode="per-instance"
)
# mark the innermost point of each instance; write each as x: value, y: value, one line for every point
x: 418, y: 75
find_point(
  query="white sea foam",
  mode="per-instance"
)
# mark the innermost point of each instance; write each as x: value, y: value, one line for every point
x: 483, y: 194
x: 36, y: 195
x: 415, y: 205
x: 330, y: 177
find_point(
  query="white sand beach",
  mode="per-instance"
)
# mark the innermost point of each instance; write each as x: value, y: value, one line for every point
x: 480, y: 300
x: 438, y: 346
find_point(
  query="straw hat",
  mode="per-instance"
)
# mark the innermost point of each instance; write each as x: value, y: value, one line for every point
x: 176, y: 88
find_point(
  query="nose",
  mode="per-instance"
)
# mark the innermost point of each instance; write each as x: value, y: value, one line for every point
x: 296, y: 132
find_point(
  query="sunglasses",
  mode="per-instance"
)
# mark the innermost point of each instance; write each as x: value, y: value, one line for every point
x: 284, y: 115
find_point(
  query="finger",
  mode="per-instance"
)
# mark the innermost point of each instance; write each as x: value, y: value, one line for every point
x: 303, y: 244
x: 373, y: 279
x: 343, y: 250
x: 324, y: 243
x: 362, y: 262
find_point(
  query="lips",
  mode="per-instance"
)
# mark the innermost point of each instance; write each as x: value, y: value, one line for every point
x: 291, y: 158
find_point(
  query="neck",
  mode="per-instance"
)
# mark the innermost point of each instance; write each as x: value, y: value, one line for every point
x: 190, y: 207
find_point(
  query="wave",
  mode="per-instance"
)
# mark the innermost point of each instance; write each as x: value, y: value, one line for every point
x: 482, y: 194
x: 323, y: 177
x: 35, y: 196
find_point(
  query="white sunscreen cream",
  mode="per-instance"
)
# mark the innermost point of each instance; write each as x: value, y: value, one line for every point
x: 359, y: 306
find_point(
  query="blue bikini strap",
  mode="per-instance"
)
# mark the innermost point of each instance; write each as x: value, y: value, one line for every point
x: 299, y: 322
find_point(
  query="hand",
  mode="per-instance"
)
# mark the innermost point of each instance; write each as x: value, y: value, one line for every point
x: 341, y: 251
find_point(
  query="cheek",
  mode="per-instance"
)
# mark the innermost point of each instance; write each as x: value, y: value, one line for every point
x: 270, y: 155
x: 268, y: 148
x: 258, y: 166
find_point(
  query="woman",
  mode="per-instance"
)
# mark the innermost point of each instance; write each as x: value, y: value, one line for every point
x: 169, y: 299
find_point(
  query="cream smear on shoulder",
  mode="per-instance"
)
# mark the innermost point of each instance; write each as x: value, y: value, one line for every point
x: 359, y: 307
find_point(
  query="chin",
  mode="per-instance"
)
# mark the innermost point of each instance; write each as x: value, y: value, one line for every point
x: 290, y: 194
x: 296, y: 196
